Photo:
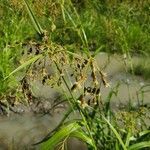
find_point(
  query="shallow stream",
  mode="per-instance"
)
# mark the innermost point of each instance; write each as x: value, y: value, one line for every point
x: 21, y: 131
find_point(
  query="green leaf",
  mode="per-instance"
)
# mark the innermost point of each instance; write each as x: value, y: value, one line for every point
x: 144, y: 133
x: 81, y: 135
x: 117, y: 146
x: 57, y: 128
x: 98, y: 50
x: 65, y: 131
x: 32, y: 60
x: 33, y: 19
x: 128, y: 138
x: 116, y: 133
x: 140, y: 135
x: 139, y: 145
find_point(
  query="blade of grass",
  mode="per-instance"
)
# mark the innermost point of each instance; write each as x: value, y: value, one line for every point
x: 83, y: 137
x: 140, y: 135
x: 116, y: 133
x: 117, y: 146
x: 57, y: 128
x: 32, y: 60
x: 80, y: 32
x: 33, y: 19
x: 60, y: 135
x: 139, y: 145
x: 98, y: 50
x: 128, y: 138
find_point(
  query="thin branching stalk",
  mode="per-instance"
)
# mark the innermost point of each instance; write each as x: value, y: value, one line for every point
x: 77, y: 106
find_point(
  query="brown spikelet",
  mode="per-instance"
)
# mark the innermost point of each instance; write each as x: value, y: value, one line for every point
x: 98, y: 91
x: 106, y: 84
x: 44, y: 72
x: 94, y: 100
x: 59, y: 82
x: 78, y: 83
x: 44, y: 79
x: 82, y: 101
x: 94, y: 90
x: 74, y: 87
x: 93, y: 73
x: 103, y: 77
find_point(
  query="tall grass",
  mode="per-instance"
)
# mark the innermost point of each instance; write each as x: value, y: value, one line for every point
x: 117, y: 26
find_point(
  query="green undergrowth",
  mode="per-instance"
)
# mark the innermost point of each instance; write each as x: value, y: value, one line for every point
x: 116, y: 26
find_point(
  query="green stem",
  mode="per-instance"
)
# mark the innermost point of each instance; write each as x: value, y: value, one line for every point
x: 77, y: 106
